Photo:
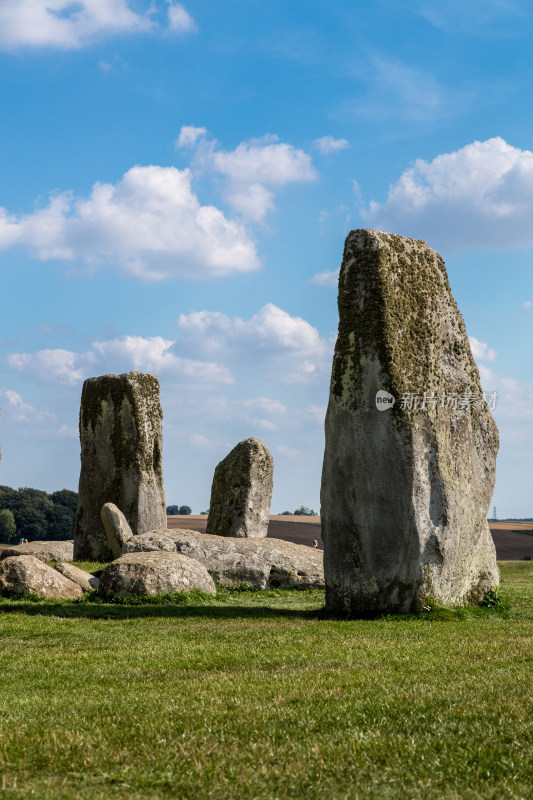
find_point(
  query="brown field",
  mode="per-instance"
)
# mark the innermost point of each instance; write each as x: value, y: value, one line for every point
x: 512, y: 539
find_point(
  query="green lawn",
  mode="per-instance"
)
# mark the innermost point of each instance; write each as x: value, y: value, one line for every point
x: 258, y: 695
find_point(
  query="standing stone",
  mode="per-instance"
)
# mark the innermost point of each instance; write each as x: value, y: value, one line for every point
x: 406, y: 482
x: 121, y: 447
x: 242, y: 492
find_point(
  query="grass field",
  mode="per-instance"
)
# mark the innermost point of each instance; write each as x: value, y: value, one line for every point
x: 258, y: 695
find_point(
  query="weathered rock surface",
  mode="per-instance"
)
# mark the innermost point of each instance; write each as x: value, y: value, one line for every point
x: 259, y: 563
x: 116, y: 526
x: 28, y: 575
x: 405, y: 491
x: 154, y: 573
x: 121, y: 447
x: 85, y: 580
x: 44, y: 551
x: 242, y: 492
x: 150, y: 542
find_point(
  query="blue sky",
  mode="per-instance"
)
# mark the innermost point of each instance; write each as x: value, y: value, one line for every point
x: 176, y: 183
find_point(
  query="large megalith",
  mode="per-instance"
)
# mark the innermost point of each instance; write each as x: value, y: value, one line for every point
x: 409, y: 463
x: 121, y: 447
x: 241, y: 492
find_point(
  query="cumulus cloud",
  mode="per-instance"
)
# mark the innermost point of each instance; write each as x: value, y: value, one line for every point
x: 150, y: 224
x: 123, y: 354
x: 20, y: 411
x: 189, y: 135
x: 54, y: 366
x: 477, y: 197
x: 326, y: 278
x: 71, y: 25
x: 179, y: 19
x: 328, y: 144
x: 272, y: 336
x: 252, y: 171
x: 480, y: 350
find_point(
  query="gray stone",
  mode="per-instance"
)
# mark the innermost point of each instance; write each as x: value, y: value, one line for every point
x: 231, y: 562
x: 405, y: 492
x: 85, y: 580
x: 121, y: 448
x: 242, y: 492
x: 116, y: 526
x: 28, y: 575
x: 154, y: 573
x: 149, y: 542
x: 44, y: 551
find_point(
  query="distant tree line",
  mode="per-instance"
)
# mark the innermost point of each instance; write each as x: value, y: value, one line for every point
x: 36, y: 515
x: 303, y: 511
x: 173, y: 510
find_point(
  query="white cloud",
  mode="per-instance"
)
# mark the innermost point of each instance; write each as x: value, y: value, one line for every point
x: 179, y: 19
x: 20, y: 411
x: 271, y: 331
x: 150, y: 224
x: 155, y: 355
x: 289, y: 452
x: 292, y: 346
x: 67, y: 432
x: 71, y: 25
x: 480, y: 350
x: 477, y: 197
x: 328, y: 144
x: 54, y: 366
x: 189, y: 135
x: 120, y: 355
x: 252, y: 171
x: 528, y: 304
x: 326, y: 278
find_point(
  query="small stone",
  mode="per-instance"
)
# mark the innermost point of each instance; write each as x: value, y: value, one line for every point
x: 408, y: 471
x: 146, y: 574
x: 116, y: 526
x: 85, y: 580
x: 44, y: 551
x: 121, y: 459
x: 28, y: 575
x: 242, y: 492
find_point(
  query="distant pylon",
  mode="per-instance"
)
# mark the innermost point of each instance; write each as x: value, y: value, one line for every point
x: 494, y: 514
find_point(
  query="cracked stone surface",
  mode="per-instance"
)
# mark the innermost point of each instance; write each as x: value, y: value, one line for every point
x: 259, y: 563
x: 242, y: 492
x: 121, y: 459
x: 151, y: 573
x: 405, y: 491
x: 28, y: 575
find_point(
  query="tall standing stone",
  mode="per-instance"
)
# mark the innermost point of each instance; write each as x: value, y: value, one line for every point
x: 121, y: 448
x: 406, y: 485
x: 242, y: 492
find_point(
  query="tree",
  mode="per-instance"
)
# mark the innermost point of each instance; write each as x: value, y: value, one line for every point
x: 64, y: 497
x: 8, y: 528
x: 60, y: 523
x: 185, y: 510
x: 173, y: 510
x: 285, y: 513
x: 39, y: 515
x: 303, y: 511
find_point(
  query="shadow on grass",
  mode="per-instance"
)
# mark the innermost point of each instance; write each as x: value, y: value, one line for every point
x: 111, y: 611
